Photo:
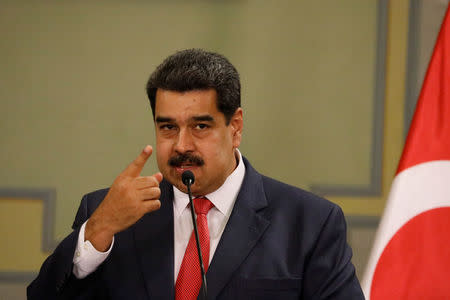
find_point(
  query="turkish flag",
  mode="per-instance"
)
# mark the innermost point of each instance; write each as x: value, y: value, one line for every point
x: 410, y: 258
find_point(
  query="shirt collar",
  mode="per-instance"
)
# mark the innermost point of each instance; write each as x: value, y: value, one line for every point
x: 223, y: 198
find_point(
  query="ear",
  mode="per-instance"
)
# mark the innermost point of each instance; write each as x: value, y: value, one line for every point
x: 236, y: 126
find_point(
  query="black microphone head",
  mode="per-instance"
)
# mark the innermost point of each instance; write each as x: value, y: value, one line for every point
x: 188, y: 177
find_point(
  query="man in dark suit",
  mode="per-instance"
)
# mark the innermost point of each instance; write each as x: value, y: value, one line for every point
x: 260, y: 238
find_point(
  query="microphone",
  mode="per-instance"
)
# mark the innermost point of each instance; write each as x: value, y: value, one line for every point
x: 188, y: 178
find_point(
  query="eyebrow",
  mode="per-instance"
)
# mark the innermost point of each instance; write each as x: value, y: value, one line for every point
x: 204, y: 118
x: 163, y: 119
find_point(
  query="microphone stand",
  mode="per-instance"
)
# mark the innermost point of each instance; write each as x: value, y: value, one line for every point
x: 203, y: 289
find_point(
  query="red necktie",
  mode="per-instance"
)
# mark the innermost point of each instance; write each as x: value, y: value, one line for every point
x: 189, y: 278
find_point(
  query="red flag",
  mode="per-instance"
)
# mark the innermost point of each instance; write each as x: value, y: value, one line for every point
x: 411, y: 254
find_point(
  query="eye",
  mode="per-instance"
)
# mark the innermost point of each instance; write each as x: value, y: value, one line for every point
x: 167, y: 127
x: 201, y: 126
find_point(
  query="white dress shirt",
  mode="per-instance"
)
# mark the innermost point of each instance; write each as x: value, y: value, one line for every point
x: 87, y: 259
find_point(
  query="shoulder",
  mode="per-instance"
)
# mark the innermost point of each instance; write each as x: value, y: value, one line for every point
x: 301, y: 208
x: 88, y: 204
x: 281, y: 191
x: 315, y: 218
x: 290, y: 199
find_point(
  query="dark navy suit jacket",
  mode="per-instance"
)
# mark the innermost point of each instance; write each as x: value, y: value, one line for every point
x: 280, y: 242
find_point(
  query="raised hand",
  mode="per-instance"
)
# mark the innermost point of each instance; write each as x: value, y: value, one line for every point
x: 129, y: 198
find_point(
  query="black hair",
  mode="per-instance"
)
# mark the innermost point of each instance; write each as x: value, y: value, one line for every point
x: 197, y: 69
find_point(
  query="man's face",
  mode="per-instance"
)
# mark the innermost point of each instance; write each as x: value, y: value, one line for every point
x: 191, y: 134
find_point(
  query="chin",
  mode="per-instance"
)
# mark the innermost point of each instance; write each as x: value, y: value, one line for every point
x: 179, y: 185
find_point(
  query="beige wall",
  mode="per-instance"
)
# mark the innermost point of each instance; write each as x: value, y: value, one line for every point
x: 74, y: 110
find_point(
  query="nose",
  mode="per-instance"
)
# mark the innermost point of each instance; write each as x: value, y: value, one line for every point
x: 184, y: 142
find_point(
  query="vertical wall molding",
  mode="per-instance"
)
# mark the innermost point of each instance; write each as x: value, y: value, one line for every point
x: 48, y: 243
x: 374, y: 187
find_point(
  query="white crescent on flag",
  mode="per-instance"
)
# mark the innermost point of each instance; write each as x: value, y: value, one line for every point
x: 410, y: 258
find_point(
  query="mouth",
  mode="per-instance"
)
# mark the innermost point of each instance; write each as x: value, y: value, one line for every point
x: 180, y: 169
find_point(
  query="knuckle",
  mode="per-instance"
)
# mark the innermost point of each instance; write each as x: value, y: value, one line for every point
x: 154, y: 205
x: 153, y: 193
x: 144, y: 181
x: 157, y: 204
x: 147, y: 180
x: 135, y: 163
x: 139, y: 161
x: 155, y: 181
x: 150, y: 180
x: 157, y: 192
x: 121, y: 186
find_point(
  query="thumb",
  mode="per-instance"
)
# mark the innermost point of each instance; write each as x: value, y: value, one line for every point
x: 158, y: 176
x: 136, y: 166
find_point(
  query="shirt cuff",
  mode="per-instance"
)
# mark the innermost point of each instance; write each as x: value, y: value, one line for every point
x: 86, y: 258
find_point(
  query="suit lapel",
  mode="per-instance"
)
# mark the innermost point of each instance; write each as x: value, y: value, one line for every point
x: 154, y: 243
x: 243, y: 230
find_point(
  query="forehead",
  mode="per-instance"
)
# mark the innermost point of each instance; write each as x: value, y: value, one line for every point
x: 176, y: 104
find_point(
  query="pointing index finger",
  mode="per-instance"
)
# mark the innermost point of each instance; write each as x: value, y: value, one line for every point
x: 136, y: 166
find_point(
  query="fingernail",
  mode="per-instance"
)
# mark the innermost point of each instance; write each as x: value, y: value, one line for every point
x: 147, y: 149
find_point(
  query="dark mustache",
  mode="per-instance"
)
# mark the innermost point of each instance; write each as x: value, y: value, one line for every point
x: 191, y: 159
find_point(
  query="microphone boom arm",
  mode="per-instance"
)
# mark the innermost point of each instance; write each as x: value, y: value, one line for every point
x: 188, y: 179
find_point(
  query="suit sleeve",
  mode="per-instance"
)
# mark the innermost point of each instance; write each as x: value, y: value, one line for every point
x: 55, y: 279
x: 330, y: 273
